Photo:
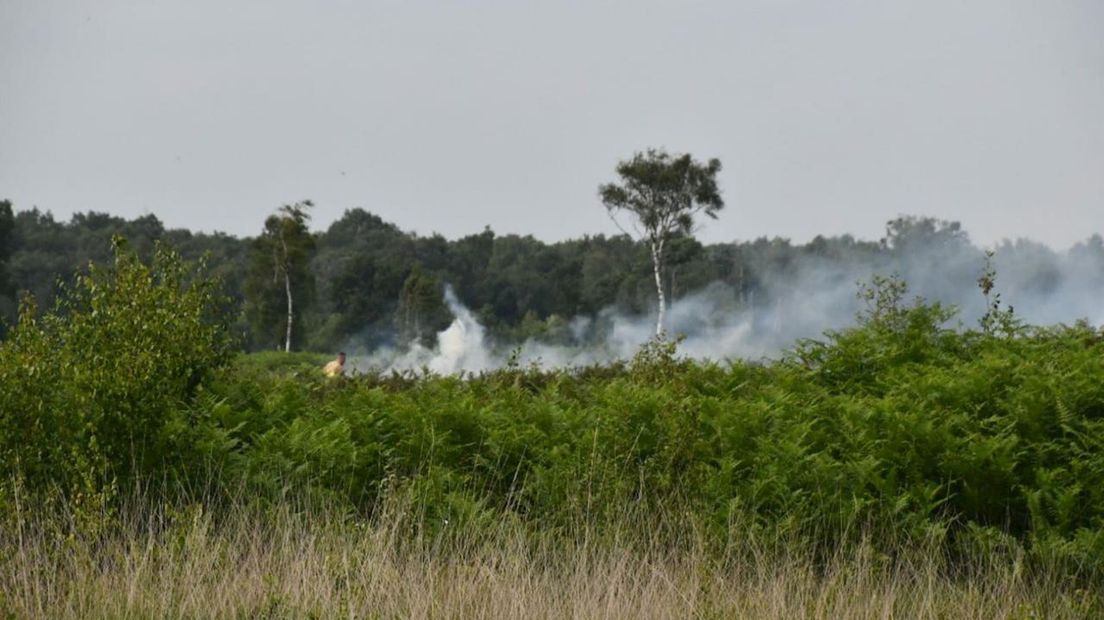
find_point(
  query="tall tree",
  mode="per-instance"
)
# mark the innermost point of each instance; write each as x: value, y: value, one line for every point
x: 422, y: 311
x: 7, y: 234
x: 662, y: 193
x: 283, y: 250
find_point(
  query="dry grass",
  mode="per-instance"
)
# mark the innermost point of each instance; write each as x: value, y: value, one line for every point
x: 186, y: 564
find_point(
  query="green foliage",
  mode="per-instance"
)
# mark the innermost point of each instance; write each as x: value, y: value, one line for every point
x: 280, y: 286
x: 347, y: 295
x: 422, y: 311
x: 662, y: 193
x: 897, y: 430
x: 893, y: 337
x: 7, y: 227
x: 996, y: 320
x: 87, y: 391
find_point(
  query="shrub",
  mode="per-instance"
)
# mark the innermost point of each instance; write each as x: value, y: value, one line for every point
x: 87, y: 390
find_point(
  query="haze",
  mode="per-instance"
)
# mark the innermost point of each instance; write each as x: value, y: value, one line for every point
x: 447, y: 116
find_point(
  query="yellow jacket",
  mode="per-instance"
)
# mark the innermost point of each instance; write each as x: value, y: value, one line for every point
x: 333, y: 369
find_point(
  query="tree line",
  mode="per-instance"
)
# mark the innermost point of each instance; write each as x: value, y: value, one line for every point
x: 363, y: 280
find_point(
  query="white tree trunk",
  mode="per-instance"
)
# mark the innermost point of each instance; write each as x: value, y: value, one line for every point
x: 287, y: 289
x: 657, y: 266
x: 291, y: 315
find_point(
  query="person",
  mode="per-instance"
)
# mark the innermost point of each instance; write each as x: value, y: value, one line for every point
x: 336, y: 367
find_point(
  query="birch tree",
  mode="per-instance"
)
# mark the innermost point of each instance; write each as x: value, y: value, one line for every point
x: 281, y: 254
x: 662, y: 194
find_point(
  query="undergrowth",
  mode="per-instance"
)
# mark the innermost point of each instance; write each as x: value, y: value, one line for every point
x: 904, y: 432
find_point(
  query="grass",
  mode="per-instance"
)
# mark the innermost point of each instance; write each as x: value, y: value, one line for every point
x: 298, y: 562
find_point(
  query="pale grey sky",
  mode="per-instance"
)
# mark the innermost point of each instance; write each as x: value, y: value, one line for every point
x: 829, y: 116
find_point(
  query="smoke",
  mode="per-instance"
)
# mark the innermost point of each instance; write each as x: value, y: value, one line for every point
x: 799, y: 298
x: 462, y: 346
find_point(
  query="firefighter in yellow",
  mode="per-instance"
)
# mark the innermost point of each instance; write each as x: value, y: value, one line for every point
x: 336, y: 367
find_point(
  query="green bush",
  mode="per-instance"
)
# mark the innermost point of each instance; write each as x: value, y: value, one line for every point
x: 88, y: 390
x: 899, y: 430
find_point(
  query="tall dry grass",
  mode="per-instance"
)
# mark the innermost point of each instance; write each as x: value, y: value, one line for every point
x: 290, y: 562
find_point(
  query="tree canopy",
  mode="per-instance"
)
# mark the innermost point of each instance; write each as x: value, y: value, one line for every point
x: 280, y: 274
x: 348, y: 292
x: 663, y: 193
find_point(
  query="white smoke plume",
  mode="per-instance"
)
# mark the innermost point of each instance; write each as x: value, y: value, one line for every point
x: 800, y: 300
x: 462, y: 346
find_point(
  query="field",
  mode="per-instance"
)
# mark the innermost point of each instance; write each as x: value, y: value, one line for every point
x: 291, y: 563
x: 906, y: 467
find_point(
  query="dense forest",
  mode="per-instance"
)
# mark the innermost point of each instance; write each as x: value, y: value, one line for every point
x: 363, y: 282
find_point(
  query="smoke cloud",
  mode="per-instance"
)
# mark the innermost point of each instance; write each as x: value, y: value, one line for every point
x: 800, y: 299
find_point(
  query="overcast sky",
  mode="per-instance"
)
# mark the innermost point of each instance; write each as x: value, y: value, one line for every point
x: 829, y: 116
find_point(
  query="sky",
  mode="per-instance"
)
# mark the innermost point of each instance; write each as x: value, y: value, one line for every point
x: 447, y: 116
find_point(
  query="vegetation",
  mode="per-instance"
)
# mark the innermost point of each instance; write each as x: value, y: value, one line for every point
x: 352, y: 295
x: 663, y: 194
x: 294, y: 562
x: 281, y: 251
x: 95, y: 391
x: 940, y: 471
